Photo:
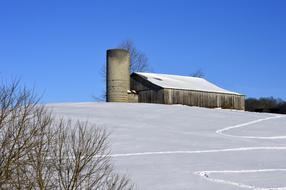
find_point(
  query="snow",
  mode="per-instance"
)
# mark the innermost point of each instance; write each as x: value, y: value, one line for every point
x: 179, y: 147
x: 183, y: 82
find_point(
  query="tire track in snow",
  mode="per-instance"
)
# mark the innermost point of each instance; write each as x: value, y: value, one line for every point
x: 199, y: 151
x: 205, y: 174
x: 221, y: 131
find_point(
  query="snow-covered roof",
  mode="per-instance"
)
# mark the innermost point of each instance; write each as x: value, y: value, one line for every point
x: 183, y: 82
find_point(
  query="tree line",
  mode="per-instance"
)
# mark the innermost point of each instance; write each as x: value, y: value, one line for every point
x: 266, y: 104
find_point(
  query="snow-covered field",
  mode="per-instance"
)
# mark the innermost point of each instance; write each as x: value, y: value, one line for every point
x: 179, y: 147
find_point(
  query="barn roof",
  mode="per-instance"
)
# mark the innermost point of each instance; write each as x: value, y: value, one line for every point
x: 183, y: 82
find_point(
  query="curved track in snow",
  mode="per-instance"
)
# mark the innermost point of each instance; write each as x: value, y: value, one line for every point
x: 206, y: 174
x: 222, y: 131
x: 201, y: 151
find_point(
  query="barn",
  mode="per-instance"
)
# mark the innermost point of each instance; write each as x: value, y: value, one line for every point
x: 192, y: 91
x: 163, y: 88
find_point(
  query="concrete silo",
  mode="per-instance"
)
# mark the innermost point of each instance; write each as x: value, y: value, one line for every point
x: 117, y: 75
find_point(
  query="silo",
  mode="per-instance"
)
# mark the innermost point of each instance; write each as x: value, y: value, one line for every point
x: 117, y: 75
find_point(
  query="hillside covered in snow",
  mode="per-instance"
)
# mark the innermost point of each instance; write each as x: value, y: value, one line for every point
x: 175, y: 147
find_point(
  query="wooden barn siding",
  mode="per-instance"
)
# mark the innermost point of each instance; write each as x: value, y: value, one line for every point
x: 192, y: 98
x: 151, y: 96
x: 203, y: 99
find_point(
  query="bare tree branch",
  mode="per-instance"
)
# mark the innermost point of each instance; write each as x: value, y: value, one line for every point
x: 138, y: 60
x: 199, y: 73
x: 38, y: 151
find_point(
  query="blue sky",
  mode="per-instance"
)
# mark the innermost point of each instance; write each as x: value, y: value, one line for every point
x: 59, y: 46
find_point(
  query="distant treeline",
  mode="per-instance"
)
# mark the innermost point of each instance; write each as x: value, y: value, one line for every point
x: 270, y: 105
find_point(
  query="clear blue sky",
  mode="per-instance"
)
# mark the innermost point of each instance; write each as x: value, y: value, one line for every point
x: 59, y: 46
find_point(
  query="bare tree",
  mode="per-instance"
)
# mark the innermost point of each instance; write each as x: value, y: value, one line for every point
x: 138, y: 59
x: 199, y: 73
x: 18, y: 126
x: 38, y: 151
x: 82, y: 158
x: 36, y: 170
